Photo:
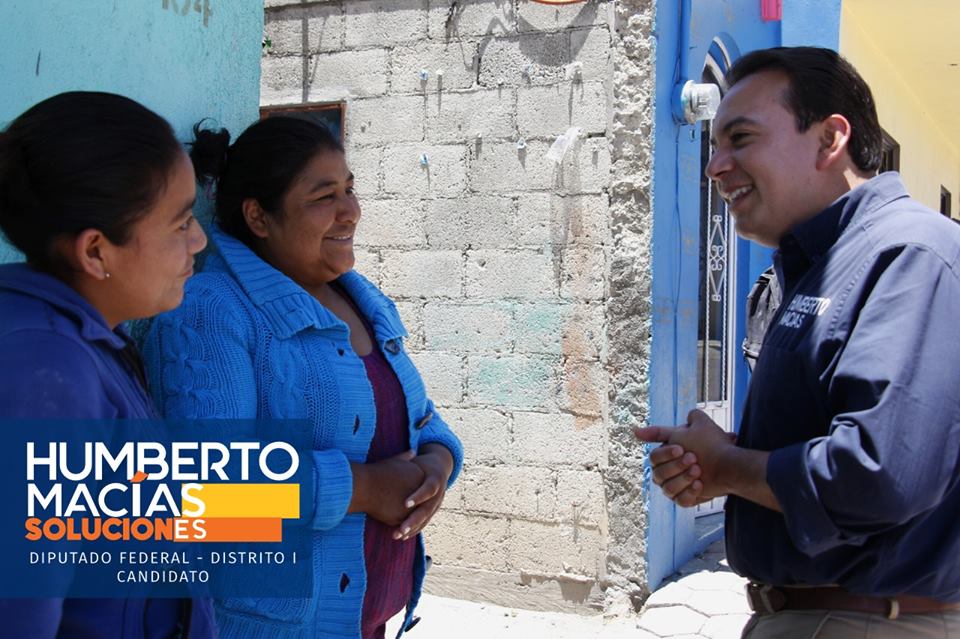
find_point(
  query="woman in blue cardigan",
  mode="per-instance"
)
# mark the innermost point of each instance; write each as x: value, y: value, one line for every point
x: 97, y: 194
x: 279, y: 326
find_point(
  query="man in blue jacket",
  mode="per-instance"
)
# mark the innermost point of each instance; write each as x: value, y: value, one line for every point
x: 843, y: 482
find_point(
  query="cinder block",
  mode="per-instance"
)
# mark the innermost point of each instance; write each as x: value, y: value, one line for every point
x: 521, y: 61
x: 550, y: 328
x: 584, y: 273
x: 355, y: 73
x: 501, y: 167
x: 471, y: 222
x: 591, y: 47
x: 385, y: 22
x: 581, y: 497
x: 411, y: 314
x: 443, y: 375
x: 518, y: 491
x: 461, y: 117
x: 367, y: 264
x: 538, y: 326
x: 533, y: 16
x: 385, y: 120
x: 512, y: 381
x: 558, y: 440
x: 522, y: 273
x: 549, y: 111
x: 585, y: 388
x: 485, y: 433
x: 281, y: 80
x: 451, y: 20
x: 422, y: 273
x: 467, y: 328
x: 457, y: 60
x: 364, y: 163
x: 470, y: 541
x: 549, y: 218
x: 391, y: 223
x: 445, y: 174
x: 453, y: 498
x: 304, y: 30
x: 586, y: 167
x: 555, y: 548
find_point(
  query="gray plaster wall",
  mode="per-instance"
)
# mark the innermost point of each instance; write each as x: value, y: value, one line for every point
x: 629, y: 309
x: 524, y: 283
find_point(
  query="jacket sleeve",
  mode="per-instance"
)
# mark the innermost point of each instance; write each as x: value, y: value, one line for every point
x: 35, y: 618
x: 44, y: 375
x: 200, y: 361
x: 890, y: 452
x: 49, y: 376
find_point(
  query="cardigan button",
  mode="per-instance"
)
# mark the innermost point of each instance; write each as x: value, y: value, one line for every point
x: 392, y: 346
x: 423, y: 422
x: 344, y: 582
x: 413, y: 622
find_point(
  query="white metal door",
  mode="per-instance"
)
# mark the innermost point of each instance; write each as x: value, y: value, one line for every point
x: 716, y: 347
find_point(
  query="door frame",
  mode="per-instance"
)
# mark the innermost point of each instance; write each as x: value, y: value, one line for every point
x: 685, y: 32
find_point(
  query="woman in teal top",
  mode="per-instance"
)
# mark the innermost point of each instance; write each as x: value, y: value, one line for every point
x: 279, y: 326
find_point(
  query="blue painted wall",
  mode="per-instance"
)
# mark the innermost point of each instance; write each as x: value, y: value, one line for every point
x: 684, y: 31
x: 184, y: 63
x: 812, y: 22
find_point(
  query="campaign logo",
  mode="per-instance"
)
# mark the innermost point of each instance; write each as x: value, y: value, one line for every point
x: 802, y: 308
x: 110, y: 506
x: 233, y: 511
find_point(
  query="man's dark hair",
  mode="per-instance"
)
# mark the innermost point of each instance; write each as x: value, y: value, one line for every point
x: 822, y: 83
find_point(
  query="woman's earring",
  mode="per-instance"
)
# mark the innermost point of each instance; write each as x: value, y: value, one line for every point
x: 106, y: 275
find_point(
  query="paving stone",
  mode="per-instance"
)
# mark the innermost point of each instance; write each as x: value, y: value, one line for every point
x: 724, y: 627
x: 672, y: 594
x: 718, y: 602
x: 706, y: 580
x: 671, y: 621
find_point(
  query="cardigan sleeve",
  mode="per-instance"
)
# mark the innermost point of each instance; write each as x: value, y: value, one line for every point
x: 200, y: 362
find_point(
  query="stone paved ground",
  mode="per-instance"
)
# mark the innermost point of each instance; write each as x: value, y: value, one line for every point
x: 704, y: 600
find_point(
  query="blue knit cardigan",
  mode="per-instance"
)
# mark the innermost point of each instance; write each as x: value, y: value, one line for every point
x: 248, y: 342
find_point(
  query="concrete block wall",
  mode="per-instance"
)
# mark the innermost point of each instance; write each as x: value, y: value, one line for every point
x: 499, y: 259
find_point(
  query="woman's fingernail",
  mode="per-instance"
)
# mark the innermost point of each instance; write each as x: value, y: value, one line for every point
x: 406, y: 531
x: 396, y: 535
x: 410, y: 503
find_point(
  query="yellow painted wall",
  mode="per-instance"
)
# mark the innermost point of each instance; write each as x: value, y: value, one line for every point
x: 928, y: 157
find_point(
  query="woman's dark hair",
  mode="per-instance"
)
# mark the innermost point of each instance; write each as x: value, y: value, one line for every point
x: 77, y: 161
x: 261, y: 165
x: 822, y: 83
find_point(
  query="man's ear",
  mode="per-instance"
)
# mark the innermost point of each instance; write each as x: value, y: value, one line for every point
x: 834, y: 139
x: 256, y: 218
x: 88, y: 252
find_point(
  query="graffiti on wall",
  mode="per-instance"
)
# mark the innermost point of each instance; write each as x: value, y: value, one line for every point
x: 183, y: 8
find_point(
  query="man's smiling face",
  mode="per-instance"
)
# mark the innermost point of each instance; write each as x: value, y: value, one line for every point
x: 764, y: 168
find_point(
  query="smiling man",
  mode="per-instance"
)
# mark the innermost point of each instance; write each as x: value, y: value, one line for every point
x: 843, y: 481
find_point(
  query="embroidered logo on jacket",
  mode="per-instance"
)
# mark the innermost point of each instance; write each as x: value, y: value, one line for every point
x: 802, y: 307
